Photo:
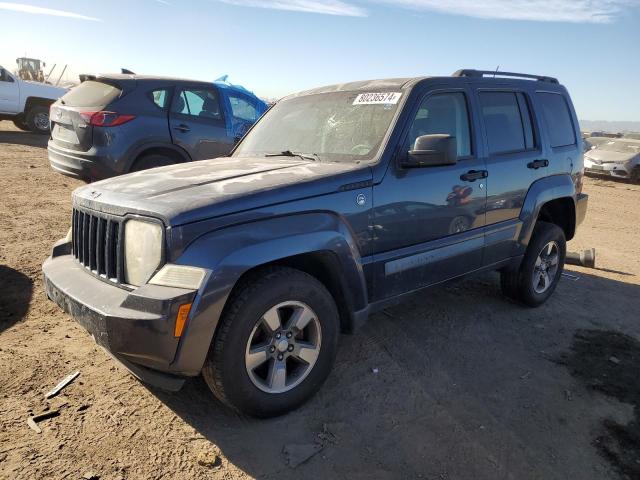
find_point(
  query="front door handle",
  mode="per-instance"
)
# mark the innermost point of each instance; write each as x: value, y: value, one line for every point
x: 536, y: 164
x: 183, y: 128
x: 473, y: 175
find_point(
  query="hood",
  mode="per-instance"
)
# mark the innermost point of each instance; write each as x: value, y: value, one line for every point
x: 194, y: 191
x: 44, y: 89
x: 608, y: 156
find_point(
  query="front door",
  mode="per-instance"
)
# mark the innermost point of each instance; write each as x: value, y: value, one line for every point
x: 428, y: 221
x: 197, y: 123
x: 9, y: 92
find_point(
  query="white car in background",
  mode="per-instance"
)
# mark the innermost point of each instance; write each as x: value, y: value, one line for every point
x: 26, y: 103
x: 618, y: 157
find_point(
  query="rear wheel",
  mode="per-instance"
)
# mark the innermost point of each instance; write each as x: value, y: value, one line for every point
x: 151, y: 160
x: 275, y: 345
x: 539, y: 273
x: 38, y: 119
x: 20, y: 123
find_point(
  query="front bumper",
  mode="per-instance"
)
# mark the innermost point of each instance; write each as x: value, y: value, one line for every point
x: 619, y: 170
x: 136, y: 326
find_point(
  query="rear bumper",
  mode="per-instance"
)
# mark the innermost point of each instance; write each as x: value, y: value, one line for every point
x: 582, y: 201
x: 87, y: 166
x: 136, y: 327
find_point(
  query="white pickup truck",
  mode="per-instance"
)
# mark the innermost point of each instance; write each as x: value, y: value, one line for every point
x: 26, y: 103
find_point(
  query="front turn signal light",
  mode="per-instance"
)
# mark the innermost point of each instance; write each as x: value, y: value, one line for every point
x: 181, y: 319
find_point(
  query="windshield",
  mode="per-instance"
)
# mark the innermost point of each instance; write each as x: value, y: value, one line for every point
x: 620, y: 147
x: 342, y: 126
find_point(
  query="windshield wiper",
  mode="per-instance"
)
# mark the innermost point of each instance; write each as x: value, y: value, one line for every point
x: 288, y: 153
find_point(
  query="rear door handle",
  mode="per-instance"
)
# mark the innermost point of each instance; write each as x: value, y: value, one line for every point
x: 473, y: 175
x: 183, y: 128
x: 536, y: 164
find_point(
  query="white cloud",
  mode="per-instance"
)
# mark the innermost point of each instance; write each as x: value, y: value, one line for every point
x: 21, y: 7
x: 329, y: 7
x: 576, y: 11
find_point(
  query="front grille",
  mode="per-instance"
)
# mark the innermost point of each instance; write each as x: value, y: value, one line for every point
x: 97, y: 244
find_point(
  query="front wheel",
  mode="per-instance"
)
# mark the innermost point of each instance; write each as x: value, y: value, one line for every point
x: 539, y: 273
x: 275, y: 345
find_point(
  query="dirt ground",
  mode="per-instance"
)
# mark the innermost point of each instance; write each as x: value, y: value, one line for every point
x: 458, y: 383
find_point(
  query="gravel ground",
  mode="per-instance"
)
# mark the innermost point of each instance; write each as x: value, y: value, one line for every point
x: 456, y: 383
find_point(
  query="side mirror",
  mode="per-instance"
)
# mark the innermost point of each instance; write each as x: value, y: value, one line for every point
x: 432, y: 150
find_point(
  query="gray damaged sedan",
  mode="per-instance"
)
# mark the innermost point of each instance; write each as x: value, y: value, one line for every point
x: 619, y: 157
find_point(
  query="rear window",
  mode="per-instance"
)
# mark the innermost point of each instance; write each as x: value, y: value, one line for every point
x: 91, y: 94
x: 558, y: 119
x: 507, y: 121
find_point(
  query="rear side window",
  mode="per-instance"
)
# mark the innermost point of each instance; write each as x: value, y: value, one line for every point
x: 197, y: 103
x: 243, y: 109
x: 91, y: 93
x: 160, y: 97
x: 558, y: 119
x: 508, y: 130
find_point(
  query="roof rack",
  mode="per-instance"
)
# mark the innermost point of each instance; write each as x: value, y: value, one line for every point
x: 486, y: 73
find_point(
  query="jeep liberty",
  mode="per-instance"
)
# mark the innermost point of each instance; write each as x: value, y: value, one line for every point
x: 338, y: 201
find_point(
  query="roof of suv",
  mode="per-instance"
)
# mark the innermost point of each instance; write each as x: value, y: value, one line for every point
x: 154, y: 79
x: 406, y: 83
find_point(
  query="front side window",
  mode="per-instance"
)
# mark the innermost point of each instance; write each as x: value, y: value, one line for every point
x: 197, y: 102
x: 558, y: 119
x: 4, y: 76
x: 443, y: 113
x: 336, y: 126
x: 503, y: 121
x: 242, y: 109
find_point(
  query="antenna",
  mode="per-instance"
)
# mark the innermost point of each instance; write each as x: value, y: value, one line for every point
x: 494, y: 73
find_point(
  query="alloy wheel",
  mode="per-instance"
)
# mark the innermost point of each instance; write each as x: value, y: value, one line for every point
x: 283, y: 347
x: 546, y: 267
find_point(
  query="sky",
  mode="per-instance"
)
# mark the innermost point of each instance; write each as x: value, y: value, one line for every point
x: 277, y: 47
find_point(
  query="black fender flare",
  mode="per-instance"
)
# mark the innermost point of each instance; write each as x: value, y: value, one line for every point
x: 229, y: 253
x: 542, y: 191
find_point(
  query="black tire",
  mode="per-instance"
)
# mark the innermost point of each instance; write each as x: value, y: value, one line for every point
x: 635, y: 175
x: 19, y: 122
x: 37, y: 119
x: 519, y: 284
x: 151, y: 160
x: 225, y: 371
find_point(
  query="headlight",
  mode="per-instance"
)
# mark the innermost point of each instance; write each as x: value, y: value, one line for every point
x: 142, y: 250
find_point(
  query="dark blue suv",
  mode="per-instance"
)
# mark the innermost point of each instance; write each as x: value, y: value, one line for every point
x: 115, y: 124
x: 338, y: 202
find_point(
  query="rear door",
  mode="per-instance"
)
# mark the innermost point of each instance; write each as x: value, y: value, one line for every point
x: 70, y: 116
x: 197, y: 122
x: 513, y: 148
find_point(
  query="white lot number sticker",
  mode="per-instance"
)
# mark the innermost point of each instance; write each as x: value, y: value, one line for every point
x: 383, y: 98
